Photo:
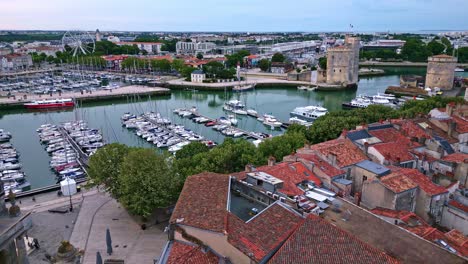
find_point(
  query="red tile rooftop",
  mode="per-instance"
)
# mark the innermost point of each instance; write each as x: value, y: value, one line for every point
x: 263, y: 233
x: 462, y: 124
x: 181, y: 253
x: 323, y: 165
x: 317, y: 241
x: 345, y: 151
x: 394, y: 151
x: 397, y: 182
x: 456, y: 157
x: 390, y: 213
x: 291, y: 174
x: 458, y: 205
x: 457, y: 238
x: 421, y: 180
x: 203, y: 202
x: 413, y: 130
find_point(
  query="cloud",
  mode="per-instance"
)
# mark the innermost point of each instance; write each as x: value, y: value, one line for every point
x: 233, y: 15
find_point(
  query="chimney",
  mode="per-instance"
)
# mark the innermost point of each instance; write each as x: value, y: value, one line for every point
x: 344, y: 133
x: 451, y: 127
x: 249, y: 168
x: 271, y: 161
x: 449, y: 108
x: 398, y: 161
x: 332, y: 158
x: 366, y: 147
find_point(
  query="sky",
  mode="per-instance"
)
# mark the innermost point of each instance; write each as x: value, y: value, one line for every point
x: 234, y: 15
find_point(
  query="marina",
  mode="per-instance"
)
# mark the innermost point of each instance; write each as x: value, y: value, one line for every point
x: 278, y: 101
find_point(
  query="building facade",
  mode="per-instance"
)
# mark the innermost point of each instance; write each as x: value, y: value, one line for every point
x: 14, y: 61
x: 441, y: 71
x: 198, y: 76
x: 343, y: 63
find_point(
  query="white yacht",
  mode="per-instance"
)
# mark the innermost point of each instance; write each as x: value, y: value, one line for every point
x: 296, y: 120
x: 309, y: 113
x: 232, y: 119
x: 252, y: 112
x: 271, y: 121
x: 358, y: 102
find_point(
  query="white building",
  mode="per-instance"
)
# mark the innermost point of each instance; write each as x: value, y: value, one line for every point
x: 150, y: 47
x: 194, y: 47
x: 14, y: 61
x: 198, y: 76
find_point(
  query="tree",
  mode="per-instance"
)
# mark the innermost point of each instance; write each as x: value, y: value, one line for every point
x: 191, y: 150
x: 199, y: 56
x: 147, y: 182
x: 177, y: 65
x: 104, y: 167
x: 435, y: 47
x: 161, y: 65
x: 264, y: 65
x: 278, y: 57
x: 280, y: 146
x: 237, y: 58
x: 415, y: 50
x: 323, y: 63
x: 463, y: 55
x: 213, y: 68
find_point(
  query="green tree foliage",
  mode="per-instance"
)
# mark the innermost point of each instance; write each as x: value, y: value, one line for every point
x: 191, y: 150
x: 234, y: 59
x: 109, y: 48
x: 278, y: 57
x: 104, y: 167
x: 462, y: 55
x: 11, y: 37
x: 280, y: 146
x: 384, y: 54
x: 199, y: 56
x: 435, y: 47
x: 135, y: 63
x: 169, y: 45
x: 332, y: 124
x: 161, y: 65
x: 215, y: 69
x: 177, y: 64
x: 147, y: 182
x: 264, y: 65
x: 415, y: 50
x: 323, y: 63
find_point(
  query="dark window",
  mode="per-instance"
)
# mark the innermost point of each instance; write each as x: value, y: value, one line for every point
x: 364, y: 178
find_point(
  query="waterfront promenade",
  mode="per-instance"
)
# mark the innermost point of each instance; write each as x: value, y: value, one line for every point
x: 131, y: 90
x: 221, y: 85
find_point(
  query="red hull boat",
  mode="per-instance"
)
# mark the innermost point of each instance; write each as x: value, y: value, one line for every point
x: 55, y: 103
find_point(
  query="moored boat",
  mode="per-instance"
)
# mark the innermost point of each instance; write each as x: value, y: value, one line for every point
x: 55, y: 103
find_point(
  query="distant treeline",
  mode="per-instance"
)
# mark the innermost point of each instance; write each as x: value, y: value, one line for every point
x: 10, y: 37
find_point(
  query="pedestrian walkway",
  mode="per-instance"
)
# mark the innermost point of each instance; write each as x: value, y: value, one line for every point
x: 129, y: 242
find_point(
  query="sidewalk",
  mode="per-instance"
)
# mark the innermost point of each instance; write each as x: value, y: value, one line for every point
x: 129, y: 242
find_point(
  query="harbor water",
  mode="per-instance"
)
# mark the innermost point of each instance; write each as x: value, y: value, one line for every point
x: 279, y: 101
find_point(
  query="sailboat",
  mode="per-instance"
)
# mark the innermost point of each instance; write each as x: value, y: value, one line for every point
x: 243, y: 87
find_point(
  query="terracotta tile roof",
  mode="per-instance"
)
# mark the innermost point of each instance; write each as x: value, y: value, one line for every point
x: 323, y: 165
x: 456, y: 157
x: 422, y: 181
x: 419, y: 227
x: 291, y: 174
x: 397, y: 182
x: 203, y: 202
x: 264, y: 232
x: 462, y: 124
x: 457, y: 238
x: 346, y: 152
x: 413, y: 130
x: 390, y: 213
x: 443, y: 56
x: 317, y: 241
x: 459, y: 205
x: 181, y: 253
x: 114, y: 57
x: 394, y: 151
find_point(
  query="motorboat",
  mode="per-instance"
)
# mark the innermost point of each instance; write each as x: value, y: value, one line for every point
x: 309, y: 113
x: 243, y: 87
x: 239, y: 111
x: 224, y: 121
x: 178, y: 146
x: 302, y: 87
x: 296, y: 120
x: 54, y: 103
x: 252, y: 112
x: 358, y: 102
x: 271, y: 121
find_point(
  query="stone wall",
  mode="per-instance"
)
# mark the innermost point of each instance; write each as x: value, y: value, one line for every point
x: 441, y: 72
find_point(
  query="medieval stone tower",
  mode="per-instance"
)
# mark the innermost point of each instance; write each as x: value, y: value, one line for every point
x: 441, y: 71
x: 98, y: 35
x: 343, y: 63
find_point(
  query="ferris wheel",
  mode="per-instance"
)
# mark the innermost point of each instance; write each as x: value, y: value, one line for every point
x: 80, y: 42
